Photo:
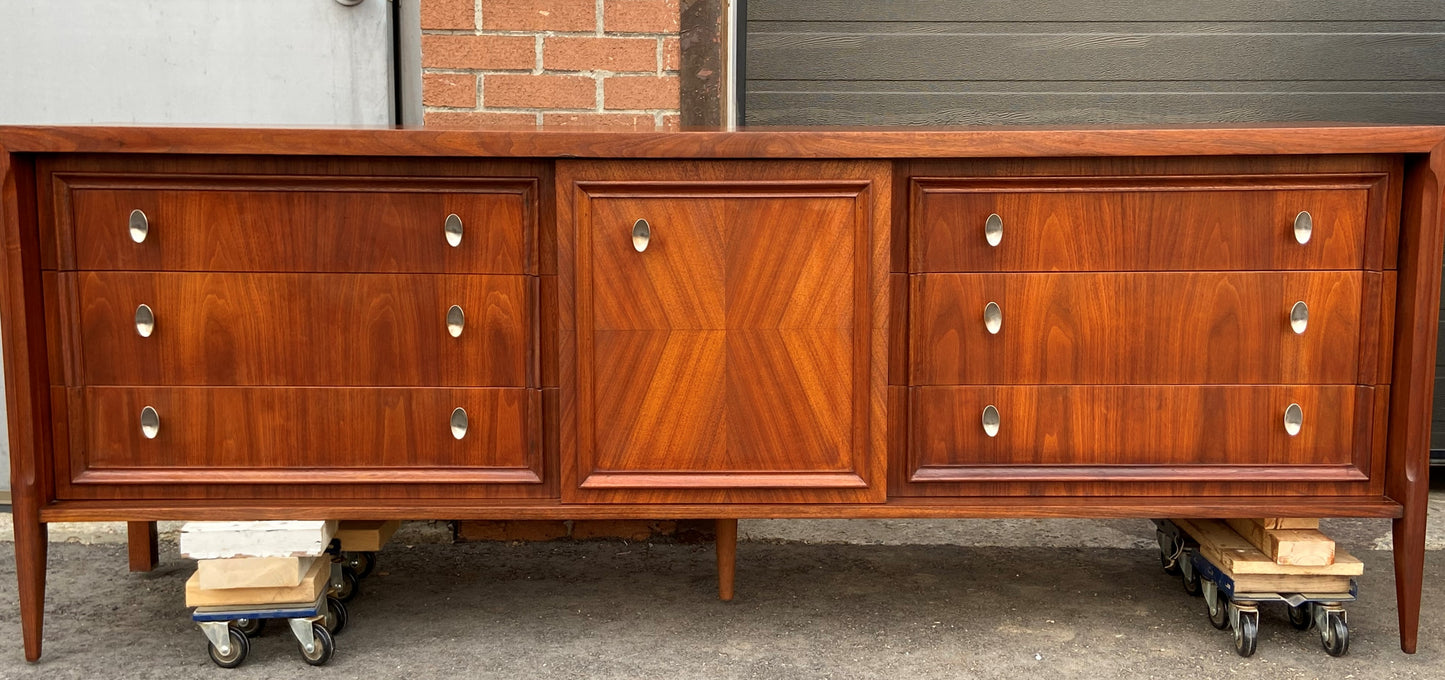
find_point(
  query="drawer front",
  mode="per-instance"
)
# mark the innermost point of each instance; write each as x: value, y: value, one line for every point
x: 200, y: 435
x: 1140, y: 433
x: 299, y: 329
x: 1142, y: 224
x: 1140, y: 328
x: 726, y: 356
x: 297, y: 224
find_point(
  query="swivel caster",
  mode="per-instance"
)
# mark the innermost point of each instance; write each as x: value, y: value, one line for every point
x: 1300, y: 616
x: 361, y: 563
x: 1246, y: 630
x: 336, y: 617
x: 315, y: 643
x: 344, y: 586
x: 1335, y: 634
x: 234, y: 650
x: 1218, y: 613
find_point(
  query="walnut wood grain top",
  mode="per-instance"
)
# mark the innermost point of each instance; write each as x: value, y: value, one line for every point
x: 1197, y: 140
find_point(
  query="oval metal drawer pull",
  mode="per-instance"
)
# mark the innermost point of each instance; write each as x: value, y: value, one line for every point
x: 459, y: 422
x: 1304, y: 224
x: 990, y: 421
x: 1299, y: 317
x: 453, y: 229
x: 1294, y: 419
x: 140, y: 225
x: 993, y: 229
x: 145, y: 321
x: 992, y: 318
x: 150, y: 422
x: 641, y: 235
x: 456, y: 321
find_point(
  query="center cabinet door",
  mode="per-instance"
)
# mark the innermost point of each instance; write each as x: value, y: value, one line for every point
x: 730, y: 325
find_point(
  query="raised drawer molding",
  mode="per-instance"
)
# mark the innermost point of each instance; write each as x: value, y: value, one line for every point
x: 217, y: 324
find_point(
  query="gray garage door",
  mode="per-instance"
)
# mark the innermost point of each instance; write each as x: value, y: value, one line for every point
x: 940, y: 62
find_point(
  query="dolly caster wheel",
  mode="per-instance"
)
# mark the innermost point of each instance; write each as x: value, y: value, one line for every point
x: 250, y: 627
x: 1246, y: 632
x: 240, y: 646
x: 349, y: 587
x: 1299, y: 617
x: 1218, y: 613
x: 1335, y: 635
x: 336, y: 616
x: 361, y: 563
x: 322, y: 646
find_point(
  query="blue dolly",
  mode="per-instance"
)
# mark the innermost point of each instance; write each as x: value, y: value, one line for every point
x: 1229, y: 608
x: 229, y: 629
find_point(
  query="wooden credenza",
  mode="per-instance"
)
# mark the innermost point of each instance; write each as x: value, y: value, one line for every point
x: 411, y: 324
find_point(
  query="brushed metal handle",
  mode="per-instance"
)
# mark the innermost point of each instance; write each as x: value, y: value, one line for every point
x: 990, y: 421
x: 456, y: 321
x: 641, y: 235
x: 1299, y: 317
x: 1304, y: 225
x: 140, y: 225
x: 993, y: 229
x: 1294, y: 419
x: 150, y: 422
x: 992, y: 318
x: 459, y: 422
x: 145, y: 321
x: 453, y: 230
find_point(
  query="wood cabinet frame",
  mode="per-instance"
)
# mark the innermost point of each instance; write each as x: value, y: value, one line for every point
x: 1399, y: 475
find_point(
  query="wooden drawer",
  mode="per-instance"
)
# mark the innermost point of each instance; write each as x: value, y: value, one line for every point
x: 1140, y: 433
x: 292, y: 329
x: 1143, y: 328
x: 301, y: 435
x: 1146, y: 223
x: 295, y: 224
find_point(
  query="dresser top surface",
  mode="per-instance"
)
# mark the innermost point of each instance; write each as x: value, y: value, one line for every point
x: 791, y: 143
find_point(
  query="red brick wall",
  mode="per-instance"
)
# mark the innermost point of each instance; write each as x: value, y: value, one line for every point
x: 550, y: 63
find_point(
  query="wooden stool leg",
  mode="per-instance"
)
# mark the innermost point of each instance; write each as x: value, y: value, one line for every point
x: 141, y: 539
x: 727, y: 557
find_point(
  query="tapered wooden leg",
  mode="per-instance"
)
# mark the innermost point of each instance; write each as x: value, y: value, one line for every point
x: 1409, y: 535
x: 31, y: 542
x: 142, y: 540
x: 727, y: 557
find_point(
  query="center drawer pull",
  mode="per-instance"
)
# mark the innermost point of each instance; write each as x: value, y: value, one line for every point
x: 140, y: 225
x: 150, y: 422
x: 453, y: 229
x: 1294, y: 419
x: 1299, y: 317
x: 459, y: 422
x: 641, y: 235
x: 992, y: 318
x: 456, y: 321
x: 993, y: 229
x: 990, y: 421
x: 1304, y: 224
x: 145, y: 321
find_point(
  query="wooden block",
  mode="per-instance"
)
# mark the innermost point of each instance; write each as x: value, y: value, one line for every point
x: 1235, y: 554
x: 221, y: 540
x: 1288, y: 523
x: 253, y: 572
x: 365, y: 535
x: 1286, y: 583
x: 1298, y: 547
x: 308, y: 591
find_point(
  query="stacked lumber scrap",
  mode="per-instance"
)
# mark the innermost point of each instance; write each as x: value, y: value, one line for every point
x: 1291, y: 541
x: 257, y: 563
x: 1254, y: 571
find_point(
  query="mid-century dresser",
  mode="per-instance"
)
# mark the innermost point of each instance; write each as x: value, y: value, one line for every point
x: 414, y: 324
